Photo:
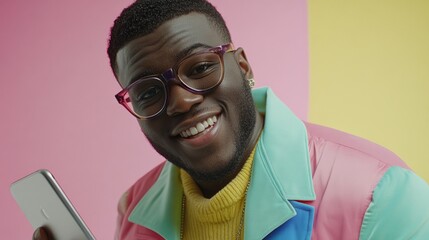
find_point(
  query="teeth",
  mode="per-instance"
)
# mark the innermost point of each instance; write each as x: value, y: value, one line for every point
x: 210, y: 121
x: 194, y: 130
x: 200, y: 127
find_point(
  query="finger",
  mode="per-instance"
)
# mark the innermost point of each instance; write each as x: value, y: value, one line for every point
x: 40, y: 234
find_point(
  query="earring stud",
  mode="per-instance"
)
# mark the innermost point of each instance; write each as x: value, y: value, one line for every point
x: 251, y: 82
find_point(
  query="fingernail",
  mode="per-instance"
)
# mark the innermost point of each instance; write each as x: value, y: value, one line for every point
x: 39, y: 234
x: 36, y: 234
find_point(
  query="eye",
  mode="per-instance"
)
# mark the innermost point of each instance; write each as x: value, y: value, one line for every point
x: 201, y: 69
x: 149, y: 93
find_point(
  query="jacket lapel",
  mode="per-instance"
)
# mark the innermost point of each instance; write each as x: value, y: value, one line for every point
x: 159, y: 210
x: 298, y: 227
x: 281, y: 170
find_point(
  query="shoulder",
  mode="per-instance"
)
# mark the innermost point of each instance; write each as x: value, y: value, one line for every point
x: 350, y: 162
x: 348, y: 172
x: 321, y: 137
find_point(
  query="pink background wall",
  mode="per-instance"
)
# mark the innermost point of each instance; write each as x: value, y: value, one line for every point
x: 57, y: 105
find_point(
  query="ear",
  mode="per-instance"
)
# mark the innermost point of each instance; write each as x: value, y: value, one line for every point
x: 244, y: 65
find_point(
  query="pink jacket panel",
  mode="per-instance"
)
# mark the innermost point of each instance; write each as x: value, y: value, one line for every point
x: 346, y: 169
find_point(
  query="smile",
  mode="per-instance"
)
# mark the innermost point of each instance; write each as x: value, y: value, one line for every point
x: 199, y: 127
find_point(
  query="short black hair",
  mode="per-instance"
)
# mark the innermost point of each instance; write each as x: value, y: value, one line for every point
x: 144, y: 16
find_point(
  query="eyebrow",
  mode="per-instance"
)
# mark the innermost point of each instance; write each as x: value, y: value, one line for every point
x: 187, y: 51
x: 182, y: 54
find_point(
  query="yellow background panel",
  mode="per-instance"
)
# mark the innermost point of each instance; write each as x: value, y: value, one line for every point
x: 369, y: 73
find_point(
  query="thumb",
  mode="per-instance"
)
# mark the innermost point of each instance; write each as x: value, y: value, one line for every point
x: 40, y: 234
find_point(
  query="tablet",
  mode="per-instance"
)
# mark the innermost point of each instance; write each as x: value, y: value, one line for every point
x: 44, y: 204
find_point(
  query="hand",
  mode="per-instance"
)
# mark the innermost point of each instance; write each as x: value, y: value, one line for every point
x: 42, y: 234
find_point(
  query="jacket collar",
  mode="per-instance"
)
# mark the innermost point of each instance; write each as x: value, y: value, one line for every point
x: 281, y: 172
x: 281, y: 169
x: 160, y: 208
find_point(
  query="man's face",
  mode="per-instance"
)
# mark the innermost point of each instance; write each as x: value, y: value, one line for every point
x: 216, y: 151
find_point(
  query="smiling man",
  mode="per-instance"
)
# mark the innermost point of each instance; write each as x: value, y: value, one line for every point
x: 199, y: 113
x: 239, y: 164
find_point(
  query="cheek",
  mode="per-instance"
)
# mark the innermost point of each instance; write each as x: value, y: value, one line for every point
x: 153, y: 131
x: 147, y: 130
x: 231, y: 89
x: 233, y: 80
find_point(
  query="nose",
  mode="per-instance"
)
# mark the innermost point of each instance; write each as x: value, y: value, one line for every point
x: 181, y: 100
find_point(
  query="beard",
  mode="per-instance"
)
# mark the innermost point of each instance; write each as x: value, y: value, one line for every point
x: 242, y: 136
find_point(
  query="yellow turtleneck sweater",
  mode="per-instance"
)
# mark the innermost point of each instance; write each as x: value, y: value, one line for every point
x: 220, y: 216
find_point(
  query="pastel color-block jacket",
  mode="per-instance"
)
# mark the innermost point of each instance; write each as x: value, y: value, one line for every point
x: 308, y: 182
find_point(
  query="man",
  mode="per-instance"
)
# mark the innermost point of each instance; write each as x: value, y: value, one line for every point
x: 239, y: 164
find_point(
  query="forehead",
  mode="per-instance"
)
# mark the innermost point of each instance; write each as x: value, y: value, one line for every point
x: 161, y: 49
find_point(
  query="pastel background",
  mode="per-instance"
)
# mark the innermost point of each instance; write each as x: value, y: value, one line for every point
x: 362, y: 63
x: 369, y: 73
x: 58, y: 106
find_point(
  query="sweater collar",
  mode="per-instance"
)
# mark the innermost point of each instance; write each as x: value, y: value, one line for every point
x: 281, y: 172
x: 225, y: 204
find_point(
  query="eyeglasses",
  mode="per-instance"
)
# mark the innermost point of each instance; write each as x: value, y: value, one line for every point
x: 198, y: 73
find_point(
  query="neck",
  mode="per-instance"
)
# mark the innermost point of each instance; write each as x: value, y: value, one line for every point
x: 210, y: 187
